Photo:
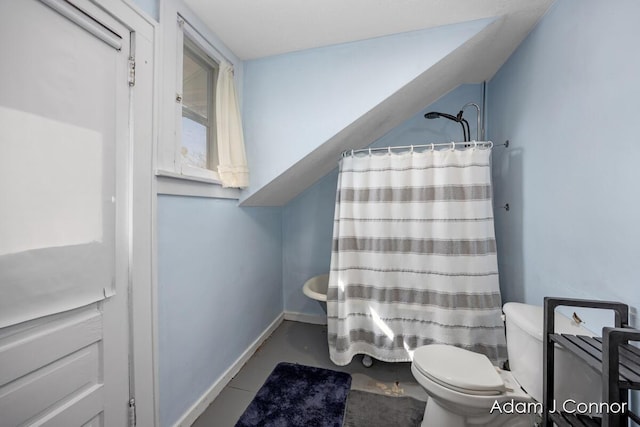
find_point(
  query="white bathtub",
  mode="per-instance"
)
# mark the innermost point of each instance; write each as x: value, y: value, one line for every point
x: 316, y: 288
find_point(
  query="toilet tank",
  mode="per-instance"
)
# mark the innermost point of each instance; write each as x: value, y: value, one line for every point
x: 573, y: 378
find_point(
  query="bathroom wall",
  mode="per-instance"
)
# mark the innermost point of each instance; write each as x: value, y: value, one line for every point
x: 219, y: 287
x: 307, y: 221
x: 564, y: 100
x: 567, y: 101
x: 298, y: 101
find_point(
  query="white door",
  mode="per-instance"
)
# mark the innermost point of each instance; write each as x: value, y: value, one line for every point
x: 64, y: 216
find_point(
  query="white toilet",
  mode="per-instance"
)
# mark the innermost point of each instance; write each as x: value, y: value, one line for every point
x: 463, y: 386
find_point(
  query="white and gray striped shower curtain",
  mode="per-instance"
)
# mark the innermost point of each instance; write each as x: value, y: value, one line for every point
x: 414, y: 256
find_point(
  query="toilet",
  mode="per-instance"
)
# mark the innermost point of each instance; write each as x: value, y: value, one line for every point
x: 465, y: 389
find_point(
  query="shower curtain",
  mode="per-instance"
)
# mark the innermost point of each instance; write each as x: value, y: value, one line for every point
x: 414, y: 256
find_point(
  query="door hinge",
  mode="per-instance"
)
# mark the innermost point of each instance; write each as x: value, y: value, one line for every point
x: 132, y: 71
x: 132, y: 412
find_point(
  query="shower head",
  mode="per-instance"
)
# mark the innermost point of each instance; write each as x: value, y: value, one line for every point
x: 437, y: 114
x: 458, y: 119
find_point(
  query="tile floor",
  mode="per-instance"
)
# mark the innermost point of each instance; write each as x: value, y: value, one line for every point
x: 305, y: 344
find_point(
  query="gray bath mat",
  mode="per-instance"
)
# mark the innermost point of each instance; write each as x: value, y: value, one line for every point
x: 376, y: 410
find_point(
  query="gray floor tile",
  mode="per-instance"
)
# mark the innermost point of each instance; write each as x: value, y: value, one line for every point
x: 305, y: 344
x: 226, y: 409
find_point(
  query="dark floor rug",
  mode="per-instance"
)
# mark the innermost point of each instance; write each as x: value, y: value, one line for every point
x: 376, y: 410
x: 299, y: 396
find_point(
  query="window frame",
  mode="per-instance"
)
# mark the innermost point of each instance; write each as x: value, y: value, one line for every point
x: 201, y: 58
x: 172, y: 177
x: 188, y: 38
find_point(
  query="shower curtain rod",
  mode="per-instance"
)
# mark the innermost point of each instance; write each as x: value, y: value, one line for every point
x: 452, y: 145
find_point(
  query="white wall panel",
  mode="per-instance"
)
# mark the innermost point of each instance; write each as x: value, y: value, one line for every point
x: 38, y: 343
x: 65, y: 192
x: 58, y: 118
x: 49, y: 366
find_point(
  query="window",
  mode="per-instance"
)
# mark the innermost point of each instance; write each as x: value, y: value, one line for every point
x: 198, y: 133
x: 200, y: 147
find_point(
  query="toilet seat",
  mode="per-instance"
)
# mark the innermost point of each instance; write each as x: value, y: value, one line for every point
x: 458, y: 369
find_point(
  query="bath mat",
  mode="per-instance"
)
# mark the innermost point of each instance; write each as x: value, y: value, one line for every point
x: 377, y: 410
x: 299, y: 396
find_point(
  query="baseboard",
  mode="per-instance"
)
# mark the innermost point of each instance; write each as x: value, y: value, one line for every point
x: 209, y: 396
x: 315, y: 319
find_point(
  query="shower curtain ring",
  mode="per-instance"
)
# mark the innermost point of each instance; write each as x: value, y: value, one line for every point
x: 351, y: 153
x: 490, y: 144
x: 389, y: 148
x: 475, y: 144
x: 411, y: 149
x: 453, y: 146
x: 433, y: 147
x: 369, y: 151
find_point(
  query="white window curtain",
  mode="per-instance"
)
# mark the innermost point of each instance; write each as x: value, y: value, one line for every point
x: 232, y: 168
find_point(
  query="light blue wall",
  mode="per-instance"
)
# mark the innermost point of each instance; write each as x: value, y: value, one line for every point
x: 219, y: 287
x: 307, y: 228
x: 308, y: 219
x: 149, y: 6
x: 295, y: 102
x: 568, y: 102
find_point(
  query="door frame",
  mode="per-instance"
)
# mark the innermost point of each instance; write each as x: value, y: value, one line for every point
x: 143, y: 115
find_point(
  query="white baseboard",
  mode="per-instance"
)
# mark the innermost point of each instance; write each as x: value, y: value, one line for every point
x: 316, y: 319
x: 209, y: 396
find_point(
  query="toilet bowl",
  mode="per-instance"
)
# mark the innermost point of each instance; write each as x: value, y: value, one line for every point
x: 465, y: 389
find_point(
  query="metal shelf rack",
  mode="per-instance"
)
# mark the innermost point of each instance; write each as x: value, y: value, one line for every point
x: 611, y: 356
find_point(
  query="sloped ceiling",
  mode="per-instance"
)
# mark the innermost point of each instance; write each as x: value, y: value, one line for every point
x: 258, y: 29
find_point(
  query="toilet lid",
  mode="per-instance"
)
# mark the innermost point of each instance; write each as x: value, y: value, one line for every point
x: 459, y: 369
